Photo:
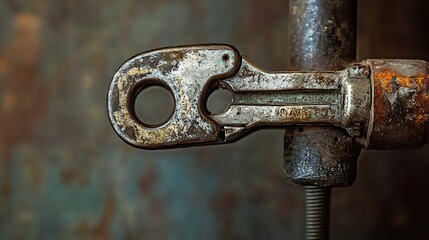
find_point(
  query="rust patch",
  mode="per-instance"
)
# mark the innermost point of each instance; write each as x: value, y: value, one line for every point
x: 22, y: 97
x: 378, y: 104
x: 388, y: 79
x: 401, y: 103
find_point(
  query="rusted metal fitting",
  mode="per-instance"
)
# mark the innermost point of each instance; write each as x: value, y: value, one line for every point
x: 379, y: 103
x: 400, y: 106
x: 320, y: 158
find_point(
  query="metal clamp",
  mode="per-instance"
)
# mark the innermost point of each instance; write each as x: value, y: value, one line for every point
x: 364, y: 99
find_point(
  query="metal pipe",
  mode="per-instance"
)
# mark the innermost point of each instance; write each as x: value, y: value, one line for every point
x: 322, y: 37
x: 322, y: 34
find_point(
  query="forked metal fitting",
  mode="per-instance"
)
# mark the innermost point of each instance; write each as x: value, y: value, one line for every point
x: 381, y: 103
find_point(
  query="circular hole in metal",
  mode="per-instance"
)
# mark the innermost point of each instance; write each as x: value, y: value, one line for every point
x: 336, y: 139
x: 153, y: 104
x: 225, y: 57
x: 218, y: 101
x: 300, y: 129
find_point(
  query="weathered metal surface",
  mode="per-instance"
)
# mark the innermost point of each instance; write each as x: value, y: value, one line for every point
x: 400, y: 108
x: 314, y: 168
x: 322, y: 37
x: 64, y: 173
x: 260, y: 98
x: 398, y: 90
x: 263, y: 98
x: 187, y: 72
x: 322, y: 34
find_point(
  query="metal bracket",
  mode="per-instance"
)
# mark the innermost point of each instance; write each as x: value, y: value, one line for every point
x: 367, y: 99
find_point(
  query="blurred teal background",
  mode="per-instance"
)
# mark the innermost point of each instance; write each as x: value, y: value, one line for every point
x: 64, y: 174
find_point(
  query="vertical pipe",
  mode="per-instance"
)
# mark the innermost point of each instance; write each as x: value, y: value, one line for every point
x: 322, y: 37
x: 322, y: 34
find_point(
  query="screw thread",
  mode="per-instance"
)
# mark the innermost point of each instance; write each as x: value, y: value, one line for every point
x: 317, y: 203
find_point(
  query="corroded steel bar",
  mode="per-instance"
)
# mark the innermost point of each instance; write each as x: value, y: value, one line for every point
x: 322, y: 34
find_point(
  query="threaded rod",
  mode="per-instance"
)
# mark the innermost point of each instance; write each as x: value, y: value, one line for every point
x: 317, y: 203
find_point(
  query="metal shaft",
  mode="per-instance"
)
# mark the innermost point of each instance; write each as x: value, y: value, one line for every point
x: 317, y: 202
x: 322, y: 37
x: 322, y: 34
